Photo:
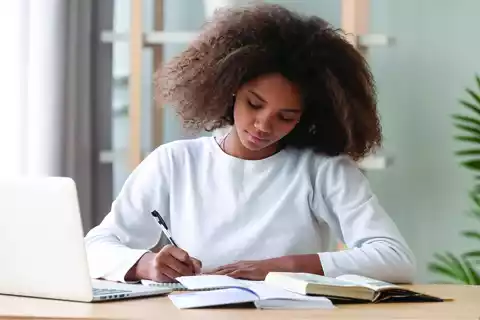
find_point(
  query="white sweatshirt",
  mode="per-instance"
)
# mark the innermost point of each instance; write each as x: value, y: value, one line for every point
x: 222, y: 209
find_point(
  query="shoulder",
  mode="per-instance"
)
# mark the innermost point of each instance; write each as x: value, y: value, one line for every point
x: 328, y: 171
x: 180, y: 148
x: 319, y: 163
x: 341, y: 176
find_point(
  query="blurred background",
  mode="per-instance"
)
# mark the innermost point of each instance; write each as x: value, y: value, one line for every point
x: 77, y: 101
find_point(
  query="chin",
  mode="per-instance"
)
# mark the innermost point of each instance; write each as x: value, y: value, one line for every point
x: 252, y: 147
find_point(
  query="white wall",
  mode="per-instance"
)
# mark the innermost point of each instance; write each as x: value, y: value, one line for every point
x: 420, y: 80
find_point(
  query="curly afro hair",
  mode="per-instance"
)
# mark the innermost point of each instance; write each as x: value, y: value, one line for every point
x: 240, y: 44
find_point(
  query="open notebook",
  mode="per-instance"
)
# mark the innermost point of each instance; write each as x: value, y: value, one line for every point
x: 233, y: 291
x: 177, y: 286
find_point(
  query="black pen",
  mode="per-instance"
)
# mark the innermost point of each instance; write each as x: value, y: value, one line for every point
x: 164, y: 227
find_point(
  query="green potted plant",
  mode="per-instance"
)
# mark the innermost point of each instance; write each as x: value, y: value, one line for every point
x: 465, y: 267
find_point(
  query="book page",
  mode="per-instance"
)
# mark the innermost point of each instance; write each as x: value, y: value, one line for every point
x: 322, y: 280
x: 266, y: 292
x: 370, y: 283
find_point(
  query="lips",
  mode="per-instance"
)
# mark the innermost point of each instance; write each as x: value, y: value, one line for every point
x: 256, y: 139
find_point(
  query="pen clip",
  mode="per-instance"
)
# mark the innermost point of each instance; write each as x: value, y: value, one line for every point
x: 162, y: 223
x: 155, y: 214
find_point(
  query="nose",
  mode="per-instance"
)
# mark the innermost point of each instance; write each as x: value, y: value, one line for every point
x: 263, y: 124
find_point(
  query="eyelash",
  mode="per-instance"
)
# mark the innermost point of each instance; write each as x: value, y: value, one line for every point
x: 256, y: 107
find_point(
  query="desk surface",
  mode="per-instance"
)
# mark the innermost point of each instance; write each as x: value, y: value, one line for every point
x: 466, y: 305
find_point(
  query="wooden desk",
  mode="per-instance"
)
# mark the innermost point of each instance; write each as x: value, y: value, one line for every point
x: 465, y: 306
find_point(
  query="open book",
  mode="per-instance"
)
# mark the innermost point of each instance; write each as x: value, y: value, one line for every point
x: 234, y: 292
x: 345, y: 288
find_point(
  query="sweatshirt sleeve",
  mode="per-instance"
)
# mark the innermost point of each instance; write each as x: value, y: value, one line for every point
x: 129, y: 231
x: 375, y: 247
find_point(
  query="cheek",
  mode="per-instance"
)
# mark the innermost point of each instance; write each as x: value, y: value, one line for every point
x: 241, y: 116
x: 285, y: 128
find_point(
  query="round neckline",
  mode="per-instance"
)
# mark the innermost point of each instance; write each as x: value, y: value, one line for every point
x: 225, y: 155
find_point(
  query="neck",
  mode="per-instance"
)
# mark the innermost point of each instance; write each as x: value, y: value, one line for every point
x: 234, y: 147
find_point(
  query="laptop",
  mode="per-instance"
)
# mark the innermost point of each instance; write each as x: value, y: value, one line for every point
x: 42, y: 251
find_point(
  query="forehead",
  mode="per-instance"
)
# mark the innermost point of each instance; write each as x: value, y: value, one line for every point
x: 275, y: 89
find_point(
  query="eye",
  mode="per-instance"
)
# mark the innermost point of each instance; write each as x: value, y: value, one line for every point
x: 253, y: 105
x: 286, y: 118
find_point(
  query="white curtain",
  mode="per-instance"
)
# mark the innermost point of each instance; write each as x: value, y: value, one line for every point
x: 46, y: 73
x: 13, y: 86
x: 32, y: 63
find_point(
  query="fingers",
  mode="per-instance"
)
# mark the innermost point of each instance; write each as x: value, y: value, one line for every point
x: 249, y: 270
x: 172, y: 262
x: 182, y: 256
x: 248, y: 274
x: 235, y: 265
x: 197, y: 264
x: 180, y: 267
x: 239, y: 274
x: 170, y: 274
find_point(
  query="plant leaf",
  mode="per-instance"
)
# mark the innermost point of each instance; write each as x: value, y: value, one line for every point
x: 472, y: 254
x: 458, y: 265
x: 471, y: 164
x: 478, y: 81
x: 468, y: 129
x: 474, y: 277
x: 474, y: 95
x: 469, y: 152
x: 471, y: 106
x: 471, y: 234
x: 443, y: 270
x: 468, y: 119
x: 468, y: 139
x: 454, y: 265
x: 475, y: 213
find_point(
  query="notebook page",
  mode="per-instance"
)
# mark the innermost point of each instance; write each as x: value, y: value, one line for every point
x: 211, y: 298
x: 209, y: 282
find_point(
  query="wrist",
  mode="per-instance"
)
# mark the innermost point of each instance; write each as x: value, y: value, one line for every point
x: 306, y: 263
x: 141, y: 269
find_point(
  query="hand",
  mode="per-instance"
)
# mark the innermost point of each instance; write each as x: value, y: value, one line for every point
x: 258, y: 269
x: 166, y: 265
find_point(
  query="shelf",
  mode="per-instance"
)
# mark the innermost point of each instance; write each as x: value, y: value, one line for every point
x: 120, y: 79
x: 153, y: 38
x: 372, y: 40
x: 111, y: 36
x: 150, y: 38
x: 375, y: 162
x: 162, y: 37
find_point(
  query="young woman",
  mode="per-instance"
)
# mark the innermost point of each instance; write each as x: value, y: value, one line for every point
x: 299, y: 102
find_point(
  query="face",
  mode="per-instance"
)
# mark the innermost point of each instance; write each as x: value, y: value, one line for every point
x: 266, y: 110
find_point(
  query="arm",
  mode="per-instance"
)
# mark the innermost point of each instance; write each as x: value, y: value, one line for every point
x: 376, y: 248
x: 129, y: 231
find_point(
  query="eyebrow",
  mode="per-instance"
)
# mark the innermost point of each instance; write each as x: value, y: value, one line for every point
x: 257, y: 95
x: 263, y: 100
